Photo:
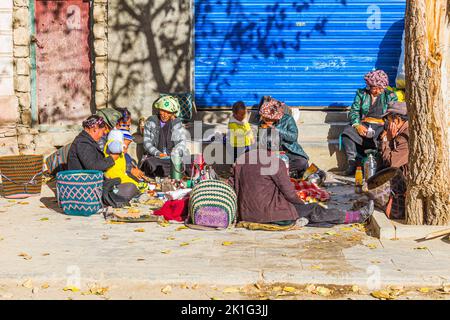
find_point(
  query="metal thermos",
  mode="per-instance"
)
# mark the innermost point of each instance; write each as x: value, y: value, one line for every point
x: 176, y: 169
x: 370, y: 166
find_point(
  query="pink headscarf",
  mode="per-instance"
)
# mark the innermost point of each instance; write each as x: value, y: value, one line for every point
x: 272, y: 110
x: 377, y: 78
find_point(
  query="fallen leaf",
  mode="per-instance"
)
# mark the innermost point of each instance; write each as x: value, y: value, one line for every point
x: 230, y: 290
x: 164, y: 223
x: 371, y: 246
x: 322, y: 291
x: 331, y: 233
x: 421, y: 248
x: 382, y: 295
x: 96, y: 290
x: 42, y: 206
x: 170, y: 238
x: 139, y: 230
x: 194, y: 287
x: 140, y: 259
x: 28, y: 284
x: 216, y: 298
x: 196, y: 239
x: 184, y: 286
x: 71, y: 288
x: 445, y: 289
x: 355, y: 289
x: 181, y: 228
x: 289, y: 289
x: 166, y: 290
x: 23, y: 202
x: 12, y: 201
x: 375, y: 262
x: 316, y: 267
x: 45, y: 254
x: 43, y: 219
x: 227, y: 243
x: 26, y: 256
x: 45, y: 286
x: 166, y: 251
x: 183, y: 244
x: 423, y: 290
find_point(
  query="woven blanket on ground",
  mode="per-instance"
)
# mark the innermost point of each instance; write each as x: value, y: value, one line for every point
x: 57, y: 161
x: 21, y: 175
x: 309, y: 191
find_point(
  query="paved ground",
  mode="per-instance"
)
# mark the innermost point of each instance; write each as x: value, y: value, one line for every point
x: 41, y: 247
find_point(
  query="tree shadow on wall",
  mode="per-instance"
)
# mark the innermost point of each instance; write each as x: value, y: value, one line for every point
x: 166, y: 29
x: 251, y: 36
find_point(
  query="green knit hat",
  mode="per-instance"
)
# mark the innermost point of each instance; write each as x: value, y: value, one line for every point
x: 169, y: 104
x: 110, y: 115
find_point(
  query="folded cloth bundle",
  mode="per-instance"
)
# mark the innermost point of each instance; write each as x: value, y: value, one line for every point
x: 174, y: 210
x: 307, y: 189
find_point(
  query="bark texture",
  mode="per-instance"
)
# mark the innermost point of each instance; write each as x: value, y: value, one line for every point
x: 427, y: 35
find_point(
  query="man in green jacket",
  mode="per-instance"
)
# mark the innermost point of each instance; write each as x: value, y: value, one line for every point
x: 366, y: 117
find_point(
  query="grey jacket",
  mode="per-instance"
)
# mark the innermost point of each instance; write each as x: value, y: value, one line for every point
x: 151, y: 137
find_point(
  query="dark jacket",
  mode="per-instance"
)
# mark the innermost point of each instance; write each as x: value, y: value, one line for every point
x: 263, y: 197
x: 85, y: 154
x: 288, y: 131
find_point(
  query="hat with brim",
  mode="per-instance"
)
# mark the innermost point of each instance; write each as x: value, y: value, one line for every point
x: 398, y: 108
x: 110, y: 115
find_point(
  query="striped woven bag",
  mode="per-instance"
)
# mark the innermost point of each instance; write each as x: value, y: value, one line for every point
x: 80, y: 191
x: 21, y: 175
x: 213, y: 203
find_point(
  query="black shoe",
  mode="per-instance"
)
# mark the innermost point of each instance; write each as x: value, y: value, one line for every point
x: 367, y: 211
x: 351, y: 169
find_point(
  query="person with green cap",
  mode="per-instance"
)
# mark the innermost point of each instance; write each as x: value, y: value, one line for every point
x: 111, y: 117
x: 164, y: 135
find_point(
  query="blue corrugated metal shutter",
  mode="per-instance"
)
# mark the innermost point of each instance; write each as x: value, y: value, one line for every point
x: 307, y: 53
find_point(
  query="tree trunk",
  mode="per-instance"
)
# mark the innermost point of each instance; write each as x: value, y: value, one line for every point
x: 427, y: 39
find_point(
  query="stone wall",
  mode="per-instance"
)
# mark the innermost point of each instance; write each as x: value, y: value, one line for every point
x: 100, y: 34
x: 8, y: 101
x: 149, y: 51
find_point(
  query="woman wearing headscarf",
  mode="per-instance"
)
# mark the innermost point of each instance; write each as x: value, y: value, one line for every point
x: 366, y: 117
x: 111, y: 117
x: 282, y: 127
x: 164, y: 135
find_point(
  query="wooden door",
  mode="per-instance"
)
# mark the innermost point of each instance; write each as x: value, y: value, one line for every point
x: 63, y: 64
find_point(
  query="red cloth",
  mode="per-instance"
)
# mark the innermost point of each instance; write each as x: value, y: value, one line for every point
x: 174, y: 210
x: 308, y: 189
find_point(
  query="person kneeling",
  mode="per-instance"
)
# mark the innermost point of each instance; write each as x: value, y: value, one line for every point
x: 266, y: 195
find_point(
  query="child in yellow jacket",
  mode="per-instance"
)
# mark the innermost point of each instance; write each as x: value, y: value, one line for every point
x: 114, y: 148
x: 240, y: 131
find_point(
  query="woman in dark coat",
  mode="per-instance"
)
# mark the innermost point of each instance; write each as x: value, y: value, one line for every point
x: 85, y: 154
x: 266, y: 195
x: 276, y: 121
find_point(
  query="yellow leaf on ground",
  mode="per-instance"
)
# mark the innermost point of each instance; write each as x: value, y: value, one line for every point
x: 423, y: 290
x: 43, y: 219
x: 382, y: 295
x: 216, y: 298
x: 26, y: 256
x: 421, y: 248
x: 139, y: 230
x: 23, y: 202
x: 71, y: 288
x: 355, y: 289
x: 331, y: 233
x: 164, y: 223
x: 310, y: 288
x: 170, y: 238
x: 289, y: 289
x: 322, y: 291
x: 181, y: 228
x: 98, y: 290
x: 230, y: 290
x: 45, y: 254
x: 166, y: 290
x: 196, y: 239
x: 28, y: 284
x: 371, y: 246
x: 227, y: 243
x: 45, y: 286
x: 316, y: 267
x: 183, y: 244
x: 166, y: 251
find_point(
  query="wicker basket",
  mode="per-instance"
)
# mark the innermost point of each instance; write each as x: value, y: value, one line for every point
x: 21, y: 176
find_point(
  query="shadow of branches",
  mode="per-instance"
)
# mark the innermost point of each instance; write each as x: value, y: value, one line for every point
x: 150, y: 51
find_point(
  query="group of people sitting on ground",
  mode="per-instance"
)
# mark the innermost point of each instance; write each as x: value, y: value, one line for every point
x: 378, y: 121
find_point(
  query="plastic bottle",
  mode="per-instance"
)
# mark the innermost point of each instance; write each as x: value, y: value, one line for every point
x: 370, y: 132
x: 358, y: 180
x: 370, y: 166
